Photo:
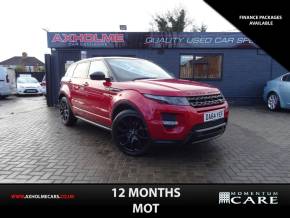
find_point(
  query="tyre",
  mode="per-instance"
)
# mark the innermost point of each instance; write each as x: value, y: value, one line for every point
x: 66, y: 113
x: 273, y: 102
x: 130, y: 133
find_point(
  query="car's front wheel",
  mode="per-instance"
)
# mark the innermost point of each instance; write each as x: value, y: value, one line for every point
x: 130, y: 133
x: 273, y: 102
x: 66, y: 113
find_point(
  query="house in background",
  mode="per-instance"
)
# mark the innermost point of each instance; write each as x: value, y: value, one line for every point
x: 23, y: 63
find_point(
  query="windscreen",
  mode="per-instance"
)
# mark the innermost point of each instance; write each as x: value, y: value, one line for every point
x: 134, y: 69
x: 26, y: 80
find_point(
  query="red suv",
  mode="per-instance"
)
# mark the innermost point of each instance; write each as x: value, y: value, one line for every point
x: 140, y: 103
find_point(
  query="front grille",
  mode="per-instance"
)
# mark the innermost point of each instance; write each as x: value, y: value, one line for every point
x: 206, y: 100
x: 209, y: 124
x: 208, y: 130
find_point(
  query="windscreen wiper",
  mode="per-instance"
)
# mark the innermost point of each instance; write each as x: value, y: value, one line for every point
x: 140, y: 78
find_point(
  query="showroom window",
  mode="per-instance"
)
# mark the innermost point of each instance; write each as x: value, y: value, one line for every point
x: 201, y: 67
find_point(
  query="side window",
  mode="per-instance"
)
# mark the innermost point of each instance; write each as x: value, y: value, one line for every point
x: 98, y: 66
x: 70, y: 70
x: 286, y: 78
x: 81, y: 70
x: 201, y: 67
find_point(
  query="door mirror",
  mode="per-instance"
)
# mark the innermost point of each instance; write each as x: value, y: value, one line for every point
x: 98, y: 76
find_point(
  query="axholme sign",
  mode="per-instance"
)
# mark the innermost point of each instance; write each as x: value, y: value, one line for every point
x: 147, y: 40
x: 87, y: 37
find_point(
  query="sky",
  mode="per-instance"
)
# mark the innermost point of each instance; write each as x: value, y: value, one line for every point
x: 23, y: 22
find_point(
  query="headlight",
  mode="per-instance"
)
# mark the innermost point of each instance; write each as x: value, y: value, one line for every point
x: 20, y: 86
x: 168, y: 100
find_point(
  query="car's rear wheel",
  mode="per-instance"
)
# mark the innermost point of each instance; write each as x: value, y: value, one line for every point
x: 66, y: 113
x: 273, y: 102
x: 130, y: 133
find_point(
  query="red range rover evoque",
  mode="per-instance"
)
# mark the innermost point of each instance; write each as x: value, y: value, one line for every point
x: 140, y: 103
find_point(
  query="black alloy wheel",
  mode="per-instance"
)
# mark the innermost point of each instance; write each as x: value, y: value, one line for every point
x: 66, y: 114
x: 130, y: 133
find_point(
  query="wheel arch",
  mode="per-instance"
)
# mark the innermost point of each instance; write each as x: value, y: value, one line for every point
x: 124, y: 105
x: 64, y: 94
x: 272, y: 92
x: 60, y: 95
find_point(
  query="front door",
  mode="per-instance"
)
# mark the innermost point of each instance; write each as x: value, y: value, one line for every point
x: 99, y: 95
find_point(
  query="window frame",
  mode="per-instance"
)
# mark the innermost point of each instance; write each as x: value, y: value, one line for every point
x: 73, y: 74
x: 287, y: 76
x: 203, y: 54
x: 107, y: 74
x: 72, y: 67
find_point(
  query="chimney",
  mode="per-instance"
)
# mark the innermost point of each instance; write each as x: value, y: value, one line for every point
x: 24, y: 54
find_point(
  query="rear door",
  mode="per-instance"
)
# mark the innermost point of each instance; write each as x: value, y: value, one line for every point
x: 67, y: 79
x: 77, y: 84
x: 285, y: 89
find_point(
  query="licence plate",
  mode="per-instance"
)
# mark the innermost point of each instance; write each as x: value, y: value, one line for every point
x: 31, y: 91
x: 213, y: 115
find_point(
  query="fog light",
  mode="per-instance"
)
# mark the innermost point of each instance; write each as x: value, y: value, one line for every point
x: 169, y: 120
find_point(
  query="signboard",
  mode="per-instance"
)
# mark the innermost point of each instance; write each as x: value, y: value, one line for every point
x: 148, y: 40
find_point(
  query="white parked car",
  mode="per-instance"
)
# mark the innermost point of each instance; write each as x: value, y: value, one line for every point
x: 27, y: 85
x: 5, y: 86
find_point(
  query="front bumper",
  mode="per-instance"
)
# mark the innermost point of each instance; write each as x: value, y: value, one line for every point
x: 207, y: 131
x: 190, y: 127
x: 29, y: 91
x: 200, y: 133
x: 43, y: 90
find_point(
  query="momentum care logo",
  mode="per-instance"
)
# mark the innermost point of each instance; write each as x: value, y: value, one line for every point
x: 248, y: 198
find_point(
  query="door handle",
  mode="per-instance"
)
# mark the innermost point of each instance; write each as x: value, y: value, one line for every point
x: 85, y: 84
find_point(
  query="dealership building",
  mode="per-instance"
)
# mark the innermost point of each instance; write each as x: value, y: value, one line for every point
x: 227, y: 60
